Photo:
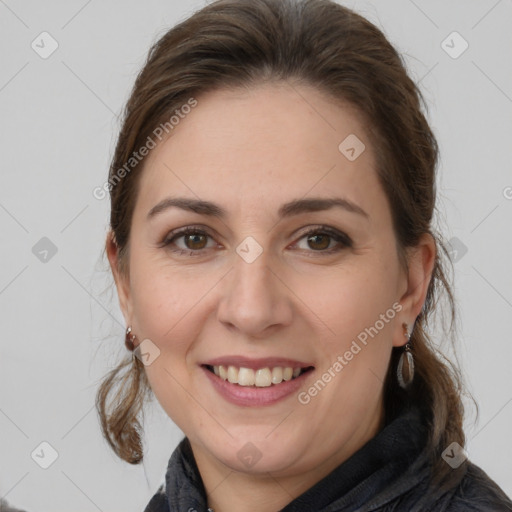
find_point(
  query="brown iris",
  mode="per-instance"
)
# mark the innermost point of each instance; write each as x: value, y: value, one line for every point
x: 197, y: 240
x: 319, y: 241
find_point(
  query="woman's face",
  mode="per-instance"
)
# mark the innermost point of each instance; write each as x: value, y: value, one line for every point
x: 249, y: 288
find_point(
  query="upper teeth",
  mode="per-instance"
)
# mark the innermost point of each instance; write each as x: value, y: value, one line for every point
x: 262, y: 377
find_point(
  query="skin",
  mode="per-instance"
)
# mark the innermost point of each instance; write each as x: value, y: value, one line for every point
x: 250, y: 151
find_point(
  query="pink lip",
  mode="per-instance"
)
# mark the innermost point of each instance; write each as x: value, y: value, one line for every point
x: 255, y: 364
x: 254, y: 396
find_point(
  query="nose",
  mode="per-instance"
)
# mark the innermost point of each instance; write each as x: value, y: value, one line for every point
x: 255, y: 301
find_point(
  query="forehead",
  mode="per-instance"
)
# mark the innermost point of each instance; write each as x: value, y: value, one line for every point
x: 264, y: 145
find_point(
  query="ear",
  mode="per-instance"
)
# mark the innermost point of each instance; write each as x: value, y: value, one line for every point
x: 421, y: 260
x: 121, y: 279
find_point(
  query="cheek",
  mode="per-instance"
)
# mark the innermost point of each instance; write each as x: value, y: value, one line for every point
x: 357, y: 314
x: 166, y: 296
x: 167, y: 308
x: 351, y: 300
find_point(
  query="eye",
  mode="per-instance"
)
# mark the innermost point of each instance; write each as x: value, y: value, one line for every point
x: 324, y: 239
x: 188, y: 239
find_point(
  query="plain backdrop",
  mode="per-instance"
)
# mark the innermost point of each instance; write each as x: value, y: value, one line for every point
x: 61, y: 328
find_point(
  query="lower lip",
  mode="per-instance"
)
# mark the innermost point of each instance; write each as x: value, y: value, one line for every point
x: 255, y: 396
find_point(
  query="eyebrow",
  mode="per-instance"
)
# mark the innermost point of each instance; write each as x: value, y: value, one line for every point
x: 289, y: 209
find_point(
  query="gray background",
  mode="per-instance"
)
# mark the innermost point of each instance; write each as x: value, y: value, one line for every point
x: 61, y: 328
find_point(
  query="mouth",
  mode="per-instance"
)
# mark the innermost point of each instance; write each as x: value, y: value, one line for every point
x: 249, y: 382
x: 258, y: 377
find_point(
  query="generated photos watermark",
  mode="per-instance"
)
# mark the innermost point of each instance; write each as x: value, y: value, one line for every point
x: 137, y: 156
x: 304, y: 397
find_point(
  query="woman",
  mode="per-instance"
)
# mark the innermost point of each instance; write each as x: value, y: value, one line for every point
x: 272, y: 192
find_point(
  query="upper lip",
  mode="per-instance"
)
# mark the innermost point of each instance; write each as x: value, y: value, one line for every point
x: 256, y: 363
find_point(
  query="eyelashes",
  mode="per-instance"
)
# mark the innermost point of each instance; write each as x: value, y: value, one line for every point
x: 198, y: 239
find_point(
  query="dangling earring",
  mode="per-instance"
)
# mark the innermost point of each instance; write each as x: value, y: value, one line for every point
x: 129, y: 339
x: 406, y: 359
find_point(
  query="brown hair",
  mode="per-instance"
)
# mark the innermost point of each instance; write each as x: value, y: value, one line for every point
x: 240, y: 43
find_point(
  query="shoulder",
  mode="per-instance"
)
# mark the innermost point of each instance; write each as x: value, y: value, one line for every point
x: 5, y: 507
x: 468, y: 489
x: 477, y: 492
x: 158, y: 502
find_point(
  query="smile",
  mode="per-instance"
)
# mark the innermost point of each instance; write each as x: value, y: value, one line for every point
x: 256, y: 382
x: 261, y: 377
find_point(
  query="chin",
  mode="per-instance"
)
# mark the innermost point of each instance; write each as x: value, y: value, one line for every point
x: 259, y: 455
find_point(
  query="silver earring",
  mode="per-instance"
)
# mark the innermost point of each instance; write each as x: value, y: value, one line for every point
x: 407, y: 360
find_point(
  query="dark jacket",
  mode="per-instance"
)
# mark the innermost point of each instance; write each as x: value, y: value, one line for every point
x: 390, y: 473
x: 5, y: 507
